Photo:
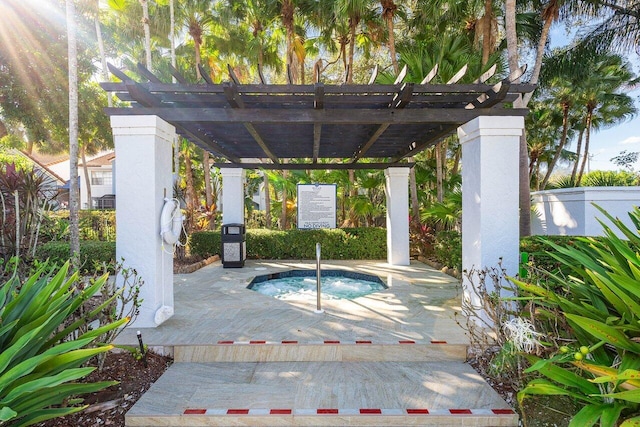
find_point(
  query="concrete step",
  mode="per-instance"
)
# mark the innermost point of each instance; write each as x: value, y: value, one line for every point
x: 324, y: 351
x: 321, y: 394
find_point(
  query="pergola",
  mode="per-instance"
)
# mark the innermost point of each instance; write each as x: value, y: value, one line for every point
x: 322, y: 126
x: 353, y: 125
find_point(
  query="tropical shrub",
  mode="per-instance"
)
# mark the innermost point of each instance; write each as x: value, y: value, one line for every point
x: 92, y: 253
x: 43, y: 348
x: 23, y: 198
x: 447, y: 249
x: 596, y: 307
x: 93, y: 225
x: 597, y: 179
x: 341, y: 243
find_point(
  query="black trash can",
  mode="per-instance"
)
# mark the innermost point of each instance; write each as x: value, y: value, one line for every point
x: 234, y: 245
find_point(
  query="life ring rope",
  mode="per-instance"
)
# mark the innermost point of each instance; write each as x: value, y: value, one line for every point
x: 171, y: 222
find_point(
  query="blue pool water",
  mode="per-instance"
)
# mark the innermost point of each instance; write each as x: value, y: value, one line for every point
x: 301, y: 285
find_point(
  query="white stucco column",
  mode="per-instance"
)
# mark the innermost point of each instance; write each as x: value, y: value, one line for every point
x: 143, y: 180
x: 397, y: 192
x: 232, y: 195
x: 490, y: 203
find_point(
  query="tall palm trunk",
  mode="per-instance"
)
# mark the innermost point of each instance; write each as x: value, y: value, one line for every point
x: 74, y: 204
x: 267, y: 201
x: 587, y: 136
x: 206, y: 166
x: 486, y: 36
x: 563, y: 141
x: 353, y: 25
x: 283, y: 213
x: 549, y: 15
x: 574, y: 172
x: 87, y: 179
x: 388, y: 12
x: 103, y: 56
x: 147, y: 32
x: 287, y: 13
x: 512, y: 56
x: 439, y: 175
x: 413, y: 188
x: 176, y: 139
x: 192, y: 198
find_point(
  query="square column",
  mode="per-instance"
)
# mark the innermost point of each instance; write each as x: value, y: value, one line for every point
x: 232, y: 195
x: 490, y: 203
x: 397, y: 192
x: 143, y: 180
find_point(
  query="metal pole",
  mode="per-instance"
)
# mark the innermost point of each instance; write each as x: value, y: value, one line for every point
x: 318, y: 287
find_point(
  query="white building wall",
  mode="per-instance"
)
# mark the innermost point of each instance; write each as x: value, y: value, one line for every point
x: 571, y: 211
x: 96, y: 190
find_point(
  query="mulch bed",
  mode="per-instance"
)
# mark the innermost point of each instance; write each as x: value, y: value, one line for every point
x: 108, y: 407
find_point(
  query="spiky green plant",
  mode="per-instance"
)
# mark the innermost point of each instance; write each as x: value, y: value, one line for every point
x: 42, y: 353
x: 598, y: 297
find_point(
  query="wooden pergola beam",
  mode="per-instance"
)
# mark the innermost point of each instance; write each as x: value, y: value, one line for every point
x: 400, y: 100
x: 313, y: 166
x: 318, y: 104
x: 360, y: 116
x: 346, y: 89
x: 235, y: 100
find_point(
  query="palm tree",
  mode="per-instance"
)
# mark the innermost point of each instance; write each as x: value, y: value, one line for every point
x: 389, y: 9
x: 354, y: 11
x: 600, y: 92
x: 562, y: 92
x: 74, y: 204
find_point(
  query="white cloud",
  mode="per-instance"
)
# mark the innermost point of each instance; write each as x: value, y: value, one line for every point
x: 630, y: 140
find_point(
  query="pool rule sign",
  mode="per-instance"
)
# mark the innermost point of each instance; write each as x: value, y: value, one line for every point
x: 316, y: 206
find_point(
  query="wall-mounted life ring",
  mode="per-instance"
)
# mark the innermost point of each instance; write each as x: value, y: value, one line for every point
x: 171, y: 221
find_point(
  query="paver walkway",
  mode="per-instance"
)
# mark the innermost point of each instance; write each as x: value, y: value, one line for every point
x: 395, y: 357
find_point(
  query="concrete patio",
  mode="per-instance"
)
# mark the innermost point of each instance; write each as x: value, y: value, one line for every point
x: 395, y: 357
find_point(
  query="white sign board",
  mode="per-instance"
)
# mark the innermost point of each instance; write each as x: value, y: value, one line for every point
x: 316, y: 206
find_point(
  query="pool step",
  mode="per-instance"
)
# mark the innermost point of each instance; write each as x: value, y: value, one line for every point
x: 326, y: 351
x: 321, y: 394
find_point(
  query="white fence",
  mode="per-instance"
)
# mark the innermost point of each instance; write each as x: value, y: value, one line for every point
x: 570, y: 211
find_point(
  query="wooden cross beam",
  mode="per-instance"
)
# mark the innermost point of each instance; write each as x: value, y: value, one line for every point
x: 400, y: 100
x: 235, y: 100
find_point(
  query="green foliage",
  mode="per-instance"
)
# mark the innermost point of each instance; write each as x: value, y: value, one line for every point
x: 447, y: 214
x: 598, y: 301
x: 341, y: 243
x: 597, y: 179
x: 93, y: 225
x: 41, y: 352
x: 539, y: 248
x: 609, y: 179
x: 91, y: 253
x: 447, y: 248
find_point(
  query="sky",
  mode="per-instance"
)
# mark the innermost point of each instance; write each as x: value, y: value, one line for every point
x: 608, y: 143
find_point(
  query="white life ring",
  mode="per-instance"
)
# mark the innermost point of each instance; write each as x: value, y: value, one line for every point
x: 171, y: 221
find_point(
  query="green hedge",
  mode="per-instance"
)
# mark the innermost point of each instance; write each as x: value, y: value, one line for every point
x: 341, y: 243
x: 91, y: 252
x: 447, y: 249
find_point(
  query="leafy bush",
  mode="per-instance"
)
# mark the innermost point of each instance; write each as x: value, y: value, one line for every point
x: 609, y: 179
x: 597, y: 179
x: 93, y: 225
x: 42, y: 351
x: 539, y: 248
x: 91, y: 253
x: 447, y: 249
x: 343, y: 243
x: 597, y: 304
